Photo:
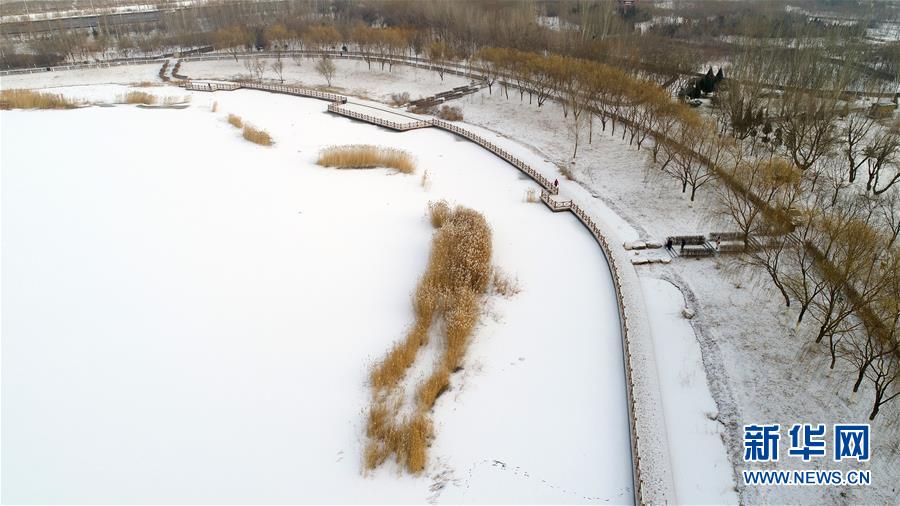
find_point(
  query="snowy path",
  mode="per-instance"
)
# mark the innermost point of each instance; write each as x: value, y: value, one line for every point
x: 695, y: 434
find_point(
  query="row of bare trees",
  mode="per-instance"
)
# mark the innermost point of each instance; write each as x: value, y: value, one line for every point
x: 827, y: 241
x: 825, y: 237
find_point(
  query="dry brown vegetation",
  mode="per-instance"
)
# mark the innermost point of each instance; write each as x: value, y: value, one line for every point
x: 457, y: 276
x: 257, y: 135
x: 531, y: 196
x: 215, y: 107
x: 235, y: 121
x: 449, y: 113
x: 146, y: 84
x: 364, y: 156
x: 137, y: 97
x: 399, y: 99
x: 28, y: 99
x: 504, y: 284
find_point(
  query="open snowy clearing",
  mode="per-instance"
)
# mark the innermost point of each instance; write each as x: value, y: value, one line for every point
x: 352, y: 77
x: 188, y: 317
x: 121, y: 75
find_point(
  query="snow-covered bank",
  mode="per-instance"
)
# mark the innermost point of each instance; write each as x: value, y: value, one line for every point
x: 189, y: 317
x: 700, y: 467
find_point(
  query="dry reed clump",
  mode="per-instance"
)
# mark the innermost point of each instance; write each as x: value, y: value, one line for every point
x: 567, y: 173
x: 425, y: 182
x: 137, y: 97
x: 28, y: 99
x: 439, y: 212
x: 399, y: 99
x: 146, y: 84
x: 235, y: 121
x: 457, y: 276
x: 215, y: 107
x: 364, y: 156
x: 450, y: 113
x: 531, y: 196
x: 504, y: 284
x: 173, y: 100
x: 257, y: 135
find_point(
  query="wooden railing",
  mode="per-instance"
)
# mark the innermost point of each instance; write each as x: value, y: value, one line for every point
x: 336, y: 107
x: 624, y: 310
x: 555, y: 205
x: 497, y: 150
x: 78, y: 66
x: 294, y: 90
x: 205, y: 86
x: 548, y: 190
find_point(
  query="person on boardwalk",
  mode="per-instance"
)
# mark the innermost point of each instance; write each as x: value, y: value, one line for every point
x: 718, y: 242
x: 682, y: 246
x: 669, y: 244
x: 556, y: 184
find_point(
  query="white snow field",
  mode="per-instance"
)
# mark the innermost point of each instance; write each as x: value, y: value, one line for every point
x: 190, y: 318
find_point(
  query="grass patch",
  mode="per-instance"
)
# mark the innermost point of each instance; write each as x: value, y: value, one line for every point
x: 28, y: 99
x: 235, y: 121
x: 364, y: 156
x: 257, y: 135
x: 451, y: 290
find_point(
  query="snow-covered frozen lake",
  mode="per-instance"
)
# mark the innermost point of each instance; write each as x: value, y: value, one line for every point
x: 188, y: 317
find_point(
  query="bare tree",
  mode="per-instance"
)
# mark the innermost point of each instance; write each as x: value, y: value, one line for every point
x: 325, y: 67
x: 278, y: 67
x: 855, y: 131
x: 881, y: 161
x: 256, y: 66
x: 884, y: 373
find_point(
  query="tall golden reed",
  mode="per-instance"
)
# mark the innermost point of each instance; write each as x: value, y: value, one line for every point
x: 457, y: 276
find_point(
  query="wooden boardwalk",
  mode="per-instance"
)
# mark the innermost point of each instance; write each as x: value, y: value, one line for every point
x: 377, y: 116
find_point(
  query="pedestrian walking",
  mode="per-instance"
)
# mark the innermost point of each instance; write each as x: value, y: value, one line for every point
x: 669, y: 244
x: 718, y: 242
x: 556, y: 183
x: 682, y: 246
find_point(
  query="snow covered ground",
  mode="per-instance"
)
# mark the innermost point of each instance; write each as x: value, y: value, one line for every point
x: 749, y: 344
x: 695, y: 441
x: 188, y: 317
x: 122, y: 74
x: 353, y: 77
